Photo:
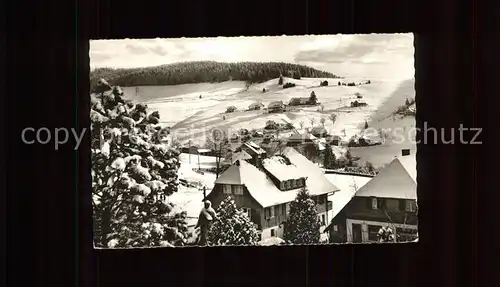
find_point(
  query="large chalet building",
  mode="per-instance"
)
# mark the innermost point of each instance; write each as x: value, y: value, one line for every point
x: 388, y: 199
x: 265, y: 186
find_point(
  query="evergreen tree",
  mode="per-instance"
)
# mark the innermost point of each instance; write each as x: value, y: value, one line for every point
x: 134, y: 169
x: 280, y: 81
x: 302, y: 226
x: 348, y: 157
x: 366, y: 124
x: 201, y: 71
x: 234, y: 227
x: 329, y: 157
x: 312, y: 98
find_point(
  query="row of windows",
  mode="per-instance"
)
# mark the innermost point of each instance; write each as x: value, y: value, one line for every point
x: 232, y: 189
x: 401, y: 204
x: 291, y: 184
x: 278, y: 210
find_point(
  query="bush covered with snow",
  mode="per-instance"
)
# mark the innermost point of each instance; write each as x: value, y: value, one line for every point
x: 133, y: 171
x: 302, y: 226
x: 234, y: 227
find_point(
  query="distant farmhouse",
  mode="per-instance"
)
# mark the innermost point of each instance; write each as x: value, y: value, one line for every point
x: 301, y: 138
x: 255, y: 106
x: 276, y: 107
x: 264, y: 188
x: 299, y: 101
x: 388, y: 199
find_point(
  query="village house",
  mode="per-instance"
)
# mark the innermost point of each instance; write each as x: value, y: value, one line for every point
x: 298, y: 101
x: 388, y: 199
x: 255, y: 106
x: 276, y: 107
x: 301, y: 138
x: 265, y: 190
x: 255, y: 152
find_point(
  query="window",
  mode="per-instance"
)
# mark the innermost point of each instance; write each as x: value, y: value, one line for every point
x: 267, y: 212
x: 374, y: 203
x: 410, y: 206
x: 321, y: 199
x: 227, y: 189
x: 298, y: 183
x: 282, y: 211
x: 287, y: 208
x: 402, y: 205
x: 238, y: 189
x: 373, y: 232
x: 380, y: 203
x: 287, y: 184
x: 248, y: 211
x: 282, y: 185
x: 335, y: 228
x: 271, y: 211
x: 293, y: 183
x: 273, y: 233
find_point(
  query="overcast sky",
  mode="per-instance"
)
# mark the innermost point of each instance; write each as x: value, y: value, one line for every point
x: 371, y: 55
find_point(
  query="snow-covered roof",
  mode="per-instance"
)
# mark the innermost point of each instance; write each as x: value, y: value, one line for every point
x: 348, y: 185
x: 275, y: 104
x: 302, y: 137
x: 241, y: 155
x: 262, y: 188
x: 316, y: 181
x: 279, y: 168
x: 254, y: 147
x: 397, y: 180
x: 319, y: 130
x: 256, y: 104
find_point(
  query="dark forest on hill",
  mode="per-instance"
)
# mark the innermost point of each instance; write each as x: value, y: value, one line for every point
x: 204, y: 72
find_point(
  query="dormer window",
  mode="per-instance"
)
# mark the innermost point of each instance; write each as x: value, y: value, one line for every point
x: 287, y: 184
x: 298, y: 182
x: 282, y: 185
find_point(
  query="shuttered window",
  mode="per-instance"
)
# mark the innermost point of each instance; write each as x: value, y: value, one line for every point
x: 238, y: 189
x: 226, y: 189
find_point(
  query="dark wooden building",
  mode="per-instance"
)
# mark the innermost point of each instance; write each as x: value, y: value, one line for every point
x: 389, y: 199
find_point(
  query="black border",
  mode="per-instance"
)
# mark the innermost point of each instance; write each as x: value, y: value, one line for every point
x: 49, y: 41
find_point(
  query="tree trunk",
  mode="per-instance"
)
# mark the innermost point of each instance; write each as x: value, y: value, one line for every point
x: 105, y: 227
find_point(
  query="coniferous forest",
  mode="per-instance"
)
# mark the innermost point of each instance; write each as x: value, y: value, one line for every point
x: 204, y: 72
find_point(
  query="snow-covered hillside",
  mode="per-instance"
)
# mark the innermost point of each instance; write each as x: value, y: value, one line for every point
x: 191, y: 117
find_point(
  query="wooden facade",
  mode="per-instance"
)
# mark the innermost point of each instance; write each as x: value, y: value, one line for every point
x: 385, y: 211
x: 268, y: 217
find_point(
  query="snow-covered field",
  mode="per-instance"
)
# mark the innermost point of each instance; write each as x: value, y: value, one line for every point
x: 191, y: 117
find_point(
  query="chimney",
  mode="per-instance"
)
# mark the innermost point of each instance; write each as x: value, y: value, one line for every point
x: 237, y: 162
x: 405, y: 152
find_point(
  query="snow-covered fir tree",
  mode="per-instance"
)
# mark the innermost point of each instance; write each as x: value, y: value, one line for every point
x: 302, y: 226
x: 134, y: 169
x: 233, y: 227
